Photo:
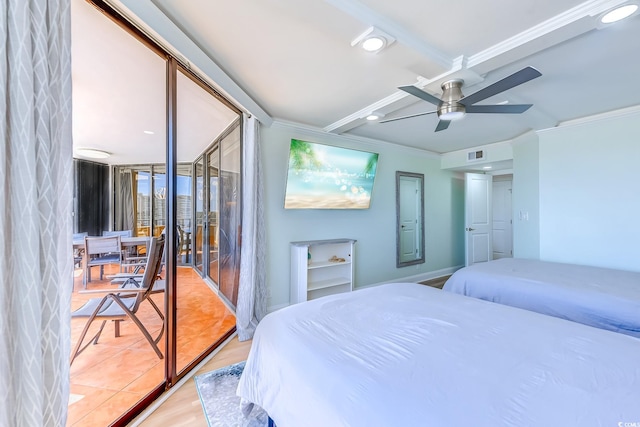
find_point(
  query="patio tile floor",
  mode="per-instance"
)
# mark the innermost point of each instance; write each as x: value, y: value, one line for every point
x: 110, y: 377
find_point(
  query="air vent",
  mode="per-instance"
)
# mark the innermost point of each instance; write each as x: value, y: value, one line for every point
x: 473, y: 156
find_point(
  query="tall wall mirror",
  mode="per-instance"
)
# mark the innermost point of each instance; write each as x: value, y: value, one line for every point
x: 409, y: 218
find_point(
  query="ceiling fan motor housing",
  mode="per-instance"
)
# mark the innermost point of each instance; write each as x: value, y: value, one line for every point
x: 451, y: 94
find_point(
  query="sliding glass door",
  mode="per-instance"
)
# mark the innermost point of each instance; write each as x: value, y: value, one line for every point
x: 167, y: 130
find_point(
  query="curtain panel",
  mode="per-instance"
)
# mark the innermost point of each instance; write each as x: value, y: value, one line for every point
x: 36, y: 261
x: 252, y: 292
x: 125, y: 206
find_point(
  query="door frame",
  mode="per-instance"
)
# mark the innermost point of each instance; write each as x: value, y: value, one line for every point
x: 478, y: 218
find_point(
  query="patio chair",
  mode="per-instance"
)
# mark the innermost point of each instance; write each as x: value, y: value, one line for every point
x: 101, y: 251
x: 123, y: 302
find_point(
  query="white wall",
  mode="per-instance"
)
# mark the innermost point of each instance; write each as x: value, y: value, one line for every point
x: 374, y: 228
x: 590, y: 193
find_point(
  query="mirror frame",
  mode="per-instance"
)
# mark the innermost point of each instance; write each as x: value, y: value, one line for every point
x: 420, y: 180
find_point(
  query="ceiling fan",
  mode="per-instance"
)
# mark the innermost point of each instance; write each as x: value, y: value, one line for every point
x: 454, y: 105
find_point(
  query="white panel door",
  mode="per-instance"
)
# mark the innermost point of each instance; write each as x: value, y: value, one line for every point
x: 502, y: 220
x: 478, y: 219
x: 409, y: 228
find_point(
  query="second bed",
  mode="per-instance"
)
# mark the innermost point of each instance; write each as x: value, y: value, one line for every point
x: 600, y: 297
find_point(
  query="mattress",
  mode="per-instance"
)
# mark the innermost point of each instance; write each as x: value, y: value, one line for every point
x: 410, y: 355
x: 599, y: 297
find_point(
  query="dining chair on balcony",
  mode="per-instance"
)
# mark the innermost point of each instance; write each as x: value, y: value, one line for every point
x: 78, y: 253
x: 121, y: 233
x: 138, y: 263
x: 101, y: 251
x: 123, y: 303
x: 132, y: 257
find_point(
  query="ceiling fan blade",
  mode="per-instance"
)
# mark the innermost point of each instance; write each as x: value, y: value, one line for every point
x: 502, y: 109
x: 406, y: 117
x: 515, y: 79
x: 420, y: 94
x: 442, y: 125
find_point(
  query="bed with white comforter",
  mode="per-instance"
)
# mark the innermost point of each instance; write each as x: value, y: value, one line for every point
x: 409, y: 355
x: 599, y: 297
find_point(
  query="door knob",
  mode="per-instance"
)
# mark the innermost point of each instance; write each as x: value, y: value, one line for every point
x: 470, y: 229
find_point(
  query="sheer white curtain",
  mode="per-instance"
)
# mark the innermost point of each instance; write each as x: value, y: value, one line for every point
x: 252, y: 293
x: 36, y: 264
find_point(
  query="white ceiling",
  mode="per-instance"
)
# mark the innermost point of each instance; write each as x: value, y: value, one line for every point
x: 118, y: 95
x: 295, y: 60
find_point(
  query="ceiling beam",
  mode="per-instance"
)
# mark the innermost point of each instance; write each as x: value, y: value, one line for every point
x: 567, y: 25
x: 369, y: 17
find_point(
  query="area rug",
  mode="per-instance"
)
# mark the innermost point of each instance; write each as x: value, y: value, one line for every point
x: 221, y: 406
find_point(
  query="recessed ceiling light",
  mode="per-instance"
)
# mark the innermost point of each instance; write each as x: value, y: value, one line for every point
x: 486, y: 167
x: 373, y: 40
x: 92, y: 153
x: 375, y: 116
x: 373, y: 43
x: 619, y: 13
x: 148, y: 132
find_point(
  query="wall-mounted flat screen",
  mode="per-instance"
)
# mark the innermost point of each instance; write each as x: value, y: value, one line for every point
x: 328, y: 177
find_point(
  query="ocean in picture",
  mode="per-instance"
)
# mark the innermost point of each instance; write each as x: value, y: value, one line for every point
x: 327, y: 177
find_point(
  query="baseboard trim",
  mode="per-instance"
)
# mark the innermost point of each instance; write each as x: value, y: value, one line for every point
x: 418, y: 277
x: 276, y: 307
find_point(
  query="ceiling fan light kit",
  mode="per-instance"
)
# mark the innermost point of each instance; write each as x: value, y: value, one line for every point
x: 449, y: 109
x: 453, y: 105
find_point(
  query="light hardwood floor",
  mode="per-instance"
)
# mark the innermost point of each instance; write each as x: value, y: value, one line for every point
x: 438, y: 282
x: 183, y: 408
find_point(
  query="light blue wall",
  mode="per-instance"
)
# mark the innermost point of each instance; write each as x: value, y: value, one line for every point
x: 374, y: 228
x: 590, y: 193
x: 526, y: 197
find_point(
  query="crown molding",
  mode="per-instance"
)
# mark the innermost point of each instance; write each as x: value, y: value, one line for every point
x: 609, y: 115
x: 569, y: 17
x: 369, y: 142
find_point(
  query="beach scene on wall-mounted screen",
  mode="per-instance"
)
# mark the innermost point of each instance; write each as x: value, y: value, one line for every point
x: 327, y: 177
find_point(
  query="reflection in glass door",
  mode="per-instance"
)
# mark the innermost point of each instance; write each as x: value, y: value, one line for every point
x: 230, y: 214
x: 159, y: 188
x: 199, y: 216
x: 142, y: 195
x: 213, y: 172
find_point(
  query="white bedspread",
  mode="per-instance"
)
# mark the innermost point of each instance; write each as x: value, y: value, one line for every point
x: 410, y: 355
x: 600, y: 297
